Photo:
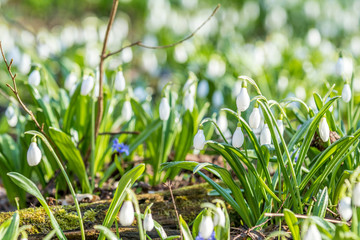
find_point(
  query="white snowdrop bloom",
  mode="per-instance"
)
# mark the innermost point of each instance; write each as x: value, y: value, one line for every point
x: 312, y: 233
x: 148, y: 222
x: 11, y: 116
x: 280, y: 124
x: 265, y: 136
x: 238, y: 138
x: 203, y: 89
x: 339, y: 67
x: 346, y: 93
x: 255, y: 118
x: 219, y: 217
x: 87, y: 85
x: 34, y: 78
x: 328, y: 99
x: 72, y: 90
x: 345, y: 209
x: 33, y: 153
x: 324, y: 130
x: 74, y: 136
x: 164, y: 109
x: 243, y: 100
x: 119, y: 81
x: 96, y: 90
x: 70, y: 81
x: 190, y: 85
x: 25, y: 64
x: 313, y: 37
x: 127, y: 213
x: 348, y: 68
x: 189, y: 101
x: 199, y: 140
x: 217, y: 99
x: 206, y: 227
x: 356, y: 195
x: 126, y: 111
x: 222, y: 122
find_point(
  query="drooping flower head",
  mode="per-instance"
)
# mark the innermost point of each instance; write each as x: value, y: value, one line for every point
x: 199, y: 139
x: 238, y: 137
x: 34, y: 78
x: 312, y: 233
x: 243, y: 99
x: 148, y: 222
x: 206, y: 227
x: 33, y: 153
x: 346, y: 93
x: 127, y: 213
x: 164, y: 109
x: 345, y: 209
x: 324, y: 130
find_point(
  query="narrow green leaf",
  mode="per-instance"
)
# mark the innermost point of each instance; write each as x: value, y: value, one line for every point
x: 292, y: 222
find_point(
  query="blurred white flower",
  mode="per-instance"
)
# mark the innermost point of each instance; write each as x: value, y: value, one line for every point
x: 87, y: 85
x: 312, y: 233
x: 33, y: 153
x: 346, y: 93
x: 127, y: 213
x: 189, y: 101
x: 243, y: 100
x: 25, y: 64
x: 70, y: 81
x: 126, y: 111
x: 199, y: 140
x: 11, y: 116
x: 148, y: 222
x: 219, y: 217
x: 206, y: 227
x: 255, y: 118
x: 237, y: 138
x: 222, y: 123
x: 345, y: 209
x: 280, y: 124
x: 356, y: 195
x: 203, y: 89
x: 164, y: 109
x: 217, y: 99
x: 265, y: 136
x: 324, y: 130
x: 34, y: 78
x: 313, y: 37
x: 120, y: 81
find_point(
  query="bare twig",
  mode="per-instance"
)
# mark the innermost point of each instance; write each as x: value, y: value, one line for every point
x: 119, y: 133
x: 304, y: 217
x: 140, y: 44
x: 176, y: 212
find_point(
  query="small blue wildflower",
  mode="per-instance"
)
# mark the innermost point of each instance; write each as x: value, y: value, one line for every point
x: 212, y: 237
x: 120, y: 147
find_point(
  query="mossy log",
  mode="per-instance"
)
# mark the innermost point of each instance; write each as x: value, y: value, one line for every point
x: 187, y: 199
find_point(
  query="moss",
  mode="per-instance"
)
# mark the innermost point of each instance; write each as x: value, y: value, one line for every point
x: 90, y: 215
x: 67, y: 220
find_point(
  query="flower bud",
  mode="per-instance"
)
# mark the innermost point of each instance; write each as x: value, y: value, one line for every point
x: 238, y: 138
x: 346, y: 93
x: 243, y: 100
x: 219, y: 217
x: 339, y: 67
x: 199, y: 140
x: 255, y: 118
x: 33, y: 153
x: 265, y: 136
x: 119, y: 81
x: 206, y: 227
x: 164, y: 109
x: 126, y: 214
x: 126, y: 111
x: 312, y: 233
x: 87, y: 85
x: 148, y: 222
x: 356, y: 195
x: 70, y: 81
x: 11, y: 116
x: 222, y: 123
x: 34, y: 78
x: 324, y: 130
x: 189, y: 101
x: 344, y: 208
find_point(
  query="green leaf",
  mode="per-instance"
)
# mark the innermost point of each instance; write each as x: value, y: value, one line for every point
x: 292, y: 222
x: 185, y: 229
x: 26, y: 184
x: 106, y: 231
x: 72, y: 155
x: 125, y: 182
x: 321, y: 204
x: 12, y: 230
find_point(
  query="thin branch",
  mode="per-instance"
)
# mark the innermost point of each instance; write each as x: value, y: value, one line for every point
x: 119, y: 133
x: 176, y: 211
x: 304, y: 217
x: 140, y: 44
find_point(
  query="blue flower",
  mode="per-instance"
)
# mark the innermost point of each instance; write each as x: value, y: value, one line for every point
x: 211, y: 238
x: 120, y: 147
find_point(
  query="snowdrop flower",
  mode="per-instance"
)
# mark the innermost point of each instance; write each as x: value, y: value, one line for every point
x: 255, y: 118
x: 356, y: 195
x: 190, y: 85
x: 34, y: 78
x: 331, y: 108
x: 265, y: 136
x: 119, y: 81
x: 87, y: 85
x: 346, y: 93
x: 70, y: 81
x: 126, y: 111
x: 222, y: 123
x: 199, y: 139
x: 324, y: 130
x: 127, y: 213
x: 96, y: 90
x: 344, y: 208
x: 312, y: 233
x: 25, y: 64
x: 189, y: 101
x: 238, y: 137
x: 148, y: 222
x: 339, y: 67
x: 206, y: 226
x: 11, y: 116
x: 219, y: 217
x: 164, y: 109
x: 33, y: 153
x: 217, y: 99
x: 203, y: 89
x: 280, y: 124
x: 243, y: 99
x: 344, y: 67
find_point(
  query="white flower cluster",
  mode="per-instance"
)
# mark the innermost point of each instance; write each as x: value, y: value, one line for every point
x: 208, y: 223
x: 345, y: 204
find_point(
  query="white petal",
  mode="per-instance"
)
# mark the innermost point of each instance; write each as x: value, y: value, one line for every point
x: 219, y: 217
x: 255, y: 118
x: 243, y: 100
x: 126, y: 111
x: 199, y: 140
x: 346, y: 93
x: 238, y: 138
x: 206, y: 227
x: 33, y: 154
x: 344, y: 208
x: 120, y: 81
x: 265, y: 136
x: 324, y: 130
x: 189, y: 102
x: 127, y: 214
x: 34, y: 78
x: 148, y: 222
x: 164, y: 109
x: 70, y: 81
x: 87, y: 85
x: 356, y: 195
x: 312, y: 233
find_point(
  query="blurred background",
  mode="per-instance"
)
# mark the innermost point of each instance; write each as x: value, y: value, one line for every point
x: 289, y: 47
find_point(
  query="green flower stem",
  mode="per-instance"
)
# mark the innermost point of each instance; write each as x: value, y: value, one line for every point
x: 92, y: 142
x: 66, y: 179
x: 142, y: 233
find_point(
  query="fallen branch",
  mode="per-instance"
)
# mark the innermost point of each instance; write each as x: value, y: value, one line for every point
x: 304, y: 217
x: 119, y: 133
